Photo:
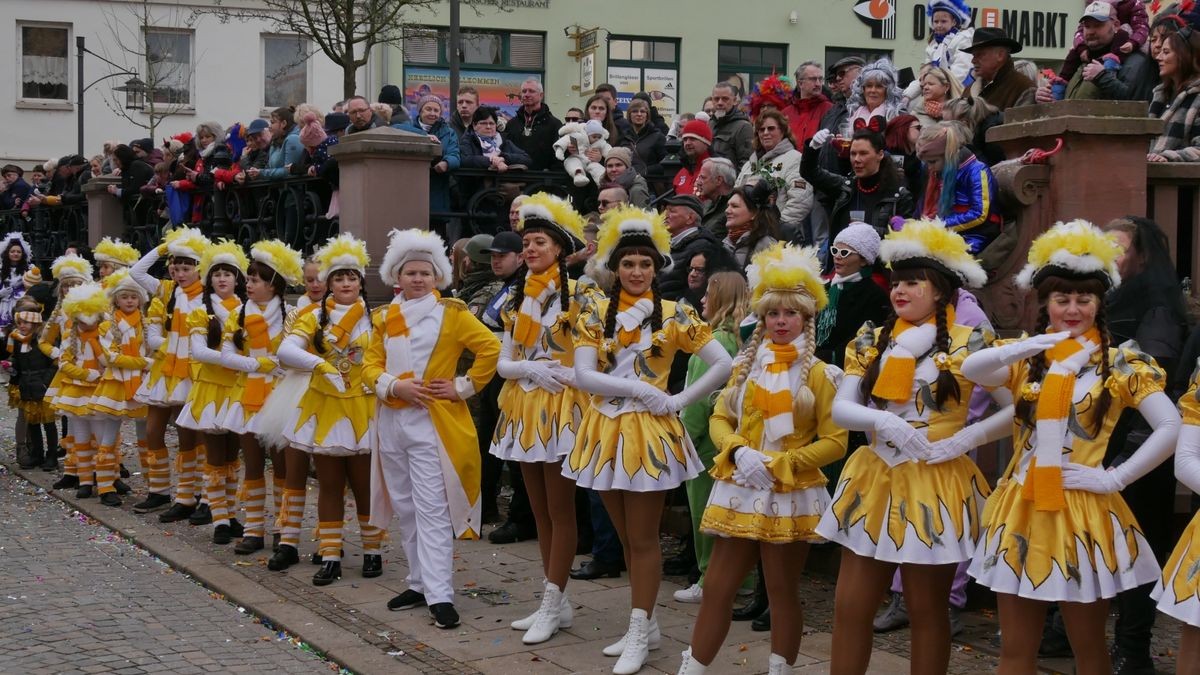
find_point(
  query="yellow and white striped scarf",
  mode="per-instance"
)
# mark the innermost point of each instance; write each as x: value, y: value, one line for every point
x: 178, y: 346
x: 263, y: 329
x: 124, y: 339
x: 899, y: 367
x: 530, y: 320
x: 773, y: 388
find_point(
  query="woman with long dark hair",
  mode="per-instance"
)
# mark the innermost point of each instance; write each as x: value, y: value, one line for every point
x: 13, y: 266
x: 1177, y: 99
x: 752, y: 221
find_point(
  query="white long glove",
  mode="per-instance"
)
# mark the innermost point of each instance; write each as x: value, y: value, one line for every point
x: 1160, y: 413
x: 752, y: 469
x: 820, y: 138
x: 720, y: 364
x: 591, y: 380
x: 140, y: 271
x: 901, y: 435
x: 993, y: 428
x: 849, y: 412
x: 989, y: 367
x: 1095, y: 479
x: 1187, y: 457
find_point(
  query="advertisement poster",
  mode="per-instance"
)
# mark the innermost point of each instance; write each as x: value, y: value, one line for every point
x: 499, y: 90
x: 663, y: 86
x: 628, y: 82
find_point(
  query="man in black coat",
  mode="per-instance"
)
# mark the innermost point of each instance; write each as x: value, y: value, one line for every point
x: 535, y: 128
x: 683, y: 215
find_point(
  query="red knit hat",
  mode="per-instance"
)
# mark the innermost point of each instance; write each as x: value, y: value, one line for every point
x: 697, y: 130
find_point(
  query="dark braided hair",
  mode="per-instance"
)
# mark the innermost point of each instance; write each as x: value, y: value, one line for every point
x: 614, y: 298
x: 278, y: 286
x: 564, y: 292
x: 323, y: 314
x: 175, y: 292
x: 213, y: 338
x: 1040, y: 363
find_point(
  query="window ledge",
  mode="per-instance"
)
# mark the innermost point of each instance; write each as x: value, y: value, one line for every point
x: 34, y: 104
x: 183, y: 110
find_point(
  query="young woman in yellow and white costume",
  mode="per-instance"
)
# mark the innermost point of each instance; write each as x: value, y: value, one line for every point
x: 70, y: 271
x: 122, y: 340
x: 251, y: 340
x: 223, y: 268
x: 333, y: 421
x: 773, y: 430
x: 79, y: 361
x: 1178, y: 591
x: 166, y: 390
x: 631, y: 446
x: 540, y: 408
x: 426, y: 465
x: 1056, y: 529
x: 912, y: 498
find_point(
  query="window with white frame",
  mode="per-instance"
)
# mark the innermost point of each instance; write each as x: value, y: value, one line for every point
x: 285, y: 70
x: 43, y: 53
x: 169, y: 66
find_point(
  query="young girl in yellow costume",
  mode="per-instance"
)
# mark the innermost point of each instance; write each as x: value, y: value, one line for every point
x: 910, y: 499
x: 1178, y: 591
x: 249, y: 348
x: 540, y: 408
x: 80, y: 364
x: 223, y: 268
x: 112, y: 255
x: 70, y: 271
x: 169, y: 380
x: 333, y: 421
x: 773, y: 431
x: 426, y: 465
x: 123, y: 357
x: 631, y: 446
x: 1056, y: 529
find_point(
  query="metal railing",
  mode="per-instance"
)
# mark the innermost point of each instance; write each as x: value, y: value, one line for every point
x: 48, y: 229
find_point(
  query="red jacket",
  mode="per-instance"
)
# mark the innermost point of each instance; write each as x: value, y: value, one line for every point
x: 804, y: 116
x: 685, y: 180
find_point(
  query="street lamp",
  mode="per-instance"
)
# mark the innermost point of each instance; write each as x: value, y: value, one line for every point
x: 135, y: 93
x: 135, y: 90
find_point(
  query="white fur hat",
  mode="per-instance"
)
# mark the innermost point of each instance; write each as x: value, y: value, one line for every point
x: 862, y: 238
x: 595, y: 128
x: 411, y: 244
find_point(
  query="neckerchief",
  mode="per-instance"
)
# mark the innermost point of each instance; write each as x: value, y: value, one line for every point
x: 895, y: 381
x: 401, y: 316
x: 1043, y: 481
x: 538, y: 287
x: 343, y: 319
x: 263, y: 326
x: 632, y: 311
x: 736, y: 232
x: 773, y: 388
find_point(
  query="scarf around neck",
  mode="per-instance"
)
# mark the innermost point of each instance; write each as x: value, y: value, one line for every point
x: 899, y: 368
x: 773, y: 388
x: 402, y: 316
x: 538, y: 288
x: 632, y: 312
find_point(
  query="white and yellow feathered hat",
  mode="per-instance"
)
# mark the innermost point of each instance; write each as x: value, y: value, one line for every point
x: 16, y: 237
x: 790, y: 269
x: 225, y: 252
x: 285, y: 260
x: 927, y: 243
x: 71, y: 266
x: 115, y: 252
x: 543, y: 211
x: 120, y: 280
x: 628, y: 227
x: 186, y: 242
x: 342, y: 252
x: 86, y: 303
x: 412, y: 244
x: 1074, y: 250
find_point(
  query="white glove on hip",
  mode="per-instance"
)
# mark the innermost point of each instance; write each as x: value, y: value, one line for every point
x: 1095, y: 479
x: 336, y: 380
x: 960, y: 443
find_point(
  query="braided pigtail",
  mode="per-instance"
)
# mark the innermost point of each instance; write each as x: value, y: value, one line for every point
x: 946, y: 384
x: 1105, y: 399
x: 171, y: 309
x: 564, y: 283
x: 805, y: 399
x: 517, y: 296
x: 872, y: 374
x: 656, y: 319
x: 610, y: 317
x: 322, y: 321
x: 239, y: 335
x: 362, y: 293
x: 1034, y: 373
x: 742, y: 365
x: 213, y: 335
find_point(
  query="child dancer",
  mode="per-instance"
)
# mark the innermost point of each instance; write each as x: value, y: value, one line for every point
x: 112, y: 255
x: 426, y: 466
x: 32, y: 374
x: 773, y: 427
x: 80, y: 362
x: 70, y: 270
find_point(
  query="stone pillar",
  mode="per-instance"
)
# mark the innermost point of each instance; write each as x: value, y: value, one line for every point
x: 106, y: 215
x: 384, y: 186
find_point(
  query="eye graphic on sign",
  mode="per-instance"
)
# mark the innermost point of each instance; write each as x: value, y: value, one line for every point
x: 880, y: 15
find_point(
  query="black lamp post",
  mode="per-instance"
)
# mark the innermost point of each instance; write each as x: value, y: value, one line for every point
x: 135, y: 90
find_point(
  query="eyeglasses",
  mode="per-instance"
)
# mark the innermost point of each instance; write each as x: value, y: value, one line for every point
x: 572, y: 119
x: 841, y: 252
x: 696, y: 270
x: 815, y: 78
x: 768, y: 128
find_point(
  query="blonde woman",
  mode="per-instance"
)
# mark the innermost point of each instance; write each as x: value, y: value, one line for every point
x: 938, y: 87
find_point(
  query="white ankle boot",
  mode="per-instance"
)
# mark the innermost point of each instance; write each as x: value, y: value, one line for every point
x: 549, y: 617
x: 777, y: 665
x: 566, y: 615
x: 653, y: 639
x: 690, y: 666
x: 637, y: 645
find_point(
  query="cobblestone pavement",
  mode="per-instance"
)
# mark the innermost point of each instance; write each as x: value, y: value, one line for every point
x: 75, y: 597
x: 350, y: 623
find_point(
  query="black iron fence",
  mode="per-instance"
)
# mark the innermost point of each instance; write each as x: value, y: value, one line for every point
x: 48, y: 229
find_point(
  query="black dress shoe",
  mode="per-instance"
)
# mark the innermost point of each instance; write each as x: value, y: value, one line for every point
x: 124, y: 472
x: 248, y: 545
x: 50, y: 463
x: 176, y: 513
x: 316, y: 558
x: 66, y: 482
x: 153, y: 502
x: 594, y: 569
x: 444, y: 615
x: 110, y: 499
x: 284, y: 558
x: 679, y: 565
x: 511, y: 533
x: 751, y: 610
x: 121, y: 488
x: 763, y: 623
x: 372, y: 565
x: 85, y: 492
x: 406, y: 600
x: 330, y: 572
x: 222, y: 535
x: 201, y: 516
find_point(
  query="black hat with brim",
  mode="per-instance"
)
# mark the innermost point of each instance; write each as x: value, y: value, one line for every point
x: 992, y: 37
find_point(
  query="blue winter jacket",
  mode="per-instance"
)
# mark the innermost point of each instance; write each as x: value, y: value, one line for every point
x: 290, y: 151
x: 439, y: 183
x: 974, y: 213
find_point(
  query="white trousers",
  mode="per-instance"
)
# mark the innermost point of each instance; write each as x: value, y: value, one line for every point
x: 410, y: 455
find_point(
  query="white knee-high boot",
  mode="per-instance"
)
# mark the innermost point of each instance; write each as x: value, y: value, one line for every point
x: 637, y: 646
x: 550, y: 616
x: 565, y: 618
x: 690, y: 666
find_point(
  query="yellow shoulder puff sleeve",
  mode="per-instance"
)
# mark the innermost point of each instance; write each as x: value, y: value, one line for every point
x: 862, y: 351
x: 690, y: 332
x: 305, y: 325
x: 1189, y: 403
x: 1135, y: 374
x: 589, y: 327
x: 197, y: 320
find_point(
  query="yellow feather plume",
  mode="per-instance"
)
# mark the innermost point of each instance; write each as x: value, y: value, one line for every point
x: 342, y: 252
x: 557, y: 209
x: 787, y: 268
x: 186, y: 242
x: 280, y: 257
x: 225, y: 252
x: 86, y: 300
x: 929, y: 238
x: 1078, y: 246
x: 121, y: 280
x: 115, y: 251
x: 71, y: 265
x: 625, y: 220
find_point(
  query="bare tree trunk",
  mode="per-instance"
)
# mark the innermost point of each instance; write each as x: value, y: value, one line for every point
x: 349, y: 84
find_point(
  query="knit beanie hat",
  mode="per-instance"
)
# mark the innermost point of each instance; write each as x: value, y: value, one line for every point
x: 862, y: 238
x: 312, y: 133
x: 699, y: 131
x: 622, y: 154
x: 33, y: 277
x: 428, y: 98
x: 595, y: 128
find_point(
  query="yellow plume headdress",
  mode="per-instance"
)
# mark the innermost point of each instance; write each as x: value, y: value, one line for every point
x: 556, y: 216
x: 628, y: 227
x: 787, y: 268
x: 71, y: 266
x: 226, y: 252
x: 120, y: 280
x: 86, y: 303
x: 115, y: 252
x: 186, y: 242
x: 342, y: 252
x: 413, y: 244
x: 286, y: 261
x: 926, y: 243
x: 1074, y: 250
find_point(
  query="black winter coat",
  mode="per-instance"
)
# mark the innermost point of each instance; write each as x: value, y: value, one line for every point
x: 539, y: 142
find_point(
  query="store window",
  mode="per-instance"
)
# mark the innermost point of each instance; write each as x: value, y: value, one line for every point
x: 45, y: 70
x: 835, y: 54
x: 494, y: 63
x: 285, y: 70
x: 645, y: 64
x: 745, y: 63
x: 169, y: 66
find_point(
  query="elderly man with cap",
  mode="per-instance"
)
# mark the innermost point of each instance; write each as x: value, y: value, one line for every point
x: 683, y: 213
x: 258, y: 148
x: 1108, y: 74
x: 16, y: 190
x: 362, y: 118
x: 697, y: 138
x: 996, y: 81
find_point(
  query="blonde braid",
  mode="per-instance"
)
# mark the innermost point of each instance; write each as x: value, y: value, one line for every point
x: 742, y: 366
x: 803, y: 403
